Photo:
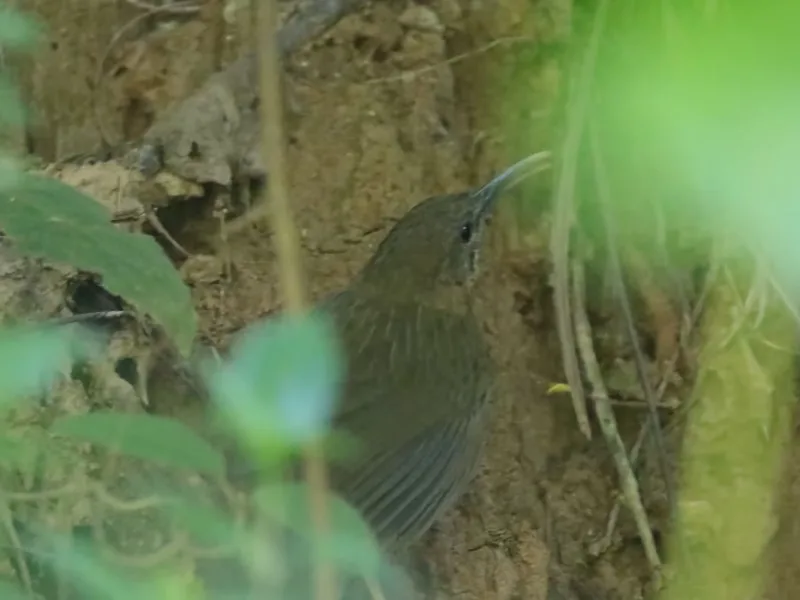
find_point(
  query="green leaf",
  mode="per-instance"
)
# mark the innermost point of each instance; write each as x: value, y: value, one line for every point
x: 349, y: 543
x: 12, y: 109
x: 278, y: 390
x: 157, y: 439
x: 208, y: 525
x: 84, y: 567
x: 11, y: 171
x: 49, y: 219
x: 16, y: 451
x: 11, y: 591
x: 18, y: 30
x: 31, y: 357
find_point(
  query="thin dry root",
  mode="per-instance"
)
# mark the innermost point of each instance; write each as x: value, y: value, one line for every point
x: 608, y: 424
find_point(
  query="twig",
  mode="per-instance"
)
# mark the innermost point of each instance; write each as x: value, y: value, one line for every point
x: 16, y: 545
x: 92, y: 316
x: 122, y: 505
x: 603, y: 195
x: 597, y: 548
x: 288, y: 249
x: 405, y: 75
x: 154, y: 221
x: 563, y: 219
x: 59, y: 492
x: 691, y: 321
x: 176, y: 8
x: 608, y: 424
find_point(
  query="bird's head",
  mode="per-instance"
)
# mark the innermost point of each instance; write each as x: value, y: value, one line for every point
x: 438, y: 241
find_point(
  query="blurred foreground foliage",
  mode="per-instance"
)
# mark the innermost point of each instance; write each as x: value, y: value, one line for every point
x: 693, y: 138
x: 275, y: 396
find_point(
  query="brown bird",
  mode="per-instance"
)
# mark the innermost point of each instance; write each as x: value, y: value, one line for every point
x: 419, y: 375
x: 419, y: 372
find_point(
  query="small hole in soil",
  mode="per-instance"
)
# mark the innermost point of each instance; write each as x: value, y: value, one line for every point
x: 87, y: 296
x: 126, y: 369
x: 380, y: 55
x: 360, y: 41
x: 194, y: 151
x: 80, y: 372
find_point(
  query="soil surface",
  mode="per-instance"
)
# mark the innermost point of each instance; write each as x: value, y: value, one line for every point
x: 380, y: 116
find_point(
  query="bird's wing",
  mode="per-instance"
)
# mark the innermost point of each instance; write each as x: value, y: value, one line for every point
x: 409, y: 367
x: 417, y: 378
x: 402, y: 492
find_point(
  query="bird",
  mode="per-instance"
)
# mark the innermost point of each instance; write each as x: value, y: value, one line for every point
x: 419, y: 371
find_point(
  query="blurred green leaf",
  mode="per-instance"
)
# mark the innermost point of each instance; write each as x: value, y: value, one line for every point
x: 152, y: 438
x: 84, y: 567
x: 15, y: 451
x: 11, y: 591
x: 18, y: 30
x: 31, y: 357
x: 49, y: 219
x: 12, y: 109
x: 206, y: 523
x: 11, y: 171
x: 704, y: 121
x: 279, y: 388
x: 349, y: 543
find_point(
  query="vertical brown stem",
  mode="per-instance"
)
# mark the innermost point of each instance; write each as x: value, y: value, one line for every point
x: 287, y: 248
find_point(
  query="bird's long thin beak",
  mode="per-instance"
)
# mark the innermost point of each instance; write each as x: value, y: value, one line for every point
x: 528, y: 166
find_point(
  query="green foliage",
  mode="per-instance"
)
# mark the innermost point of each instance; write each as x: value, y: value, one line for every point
x: 31, y: 357
x: 18, y: 31
x: 157, y: 439
x: 46, y: 218
x: 277, y: 393
x: 13, y: 110
x: 279, y: 389
x: 51, y: 220
x: 349, y: 544
x: 90, y: 573
x: 208, y: 525
x: 11, y: 591
x: 703, y: 124
x: 10, y: 172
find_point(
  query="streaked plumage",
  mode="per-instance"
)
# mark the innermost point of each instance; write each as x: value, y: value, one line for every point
x: 419, y: 370
x: 419, y: 374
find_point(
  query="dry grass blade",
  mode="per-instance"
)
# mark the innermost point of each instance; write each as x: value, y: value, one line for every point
x: 604, y: 195
x: 288, y: 251
x: 565, y: 214
x: 16, y: 547
x: 608, y: 424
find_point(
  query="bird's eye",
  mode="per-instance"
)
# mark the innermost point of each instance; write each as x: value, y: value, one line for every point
x: 466, y: 232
